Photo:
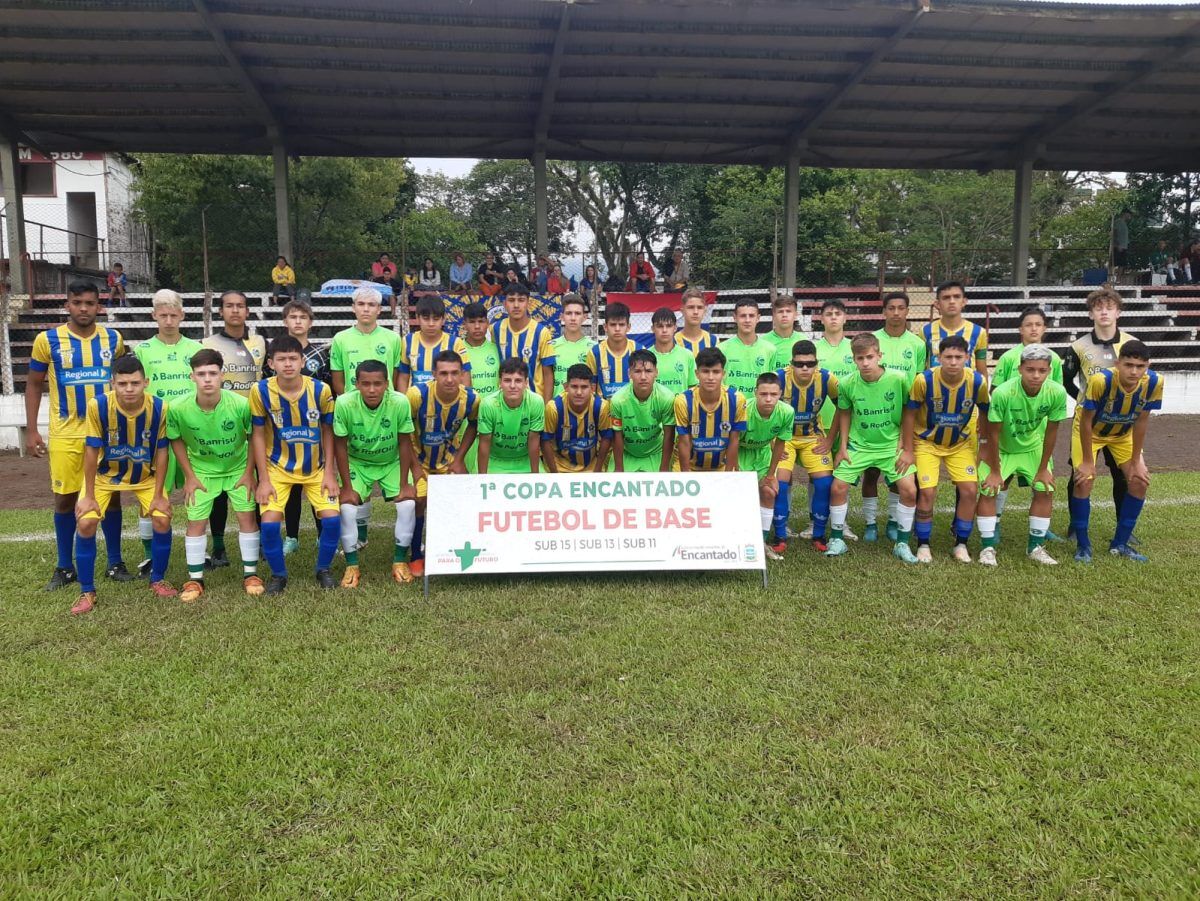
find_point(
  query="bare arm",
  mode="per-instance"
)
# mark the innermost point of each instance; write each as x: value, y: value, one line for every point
x: 618, y: 451
x: 87, y: 497
x: 34, y: 380
x: 534, y: 447
x: 338, y: 378
x: 668, y: 448
x: 485, y: 453
x: 731, y: 455
x: 602, y: 454
x: 685, y: 452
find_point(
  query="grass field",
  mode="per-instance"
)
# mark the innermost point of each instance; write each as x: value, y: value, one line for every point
x: 857, y: 729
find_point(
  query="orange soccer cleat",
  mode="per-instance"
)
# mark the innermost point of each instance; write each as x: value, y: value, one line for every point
x: 86, y: 602
x: 191, y: 591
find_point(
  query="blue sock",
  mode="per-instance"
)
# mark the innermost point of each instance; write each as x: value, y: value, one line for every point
x: 818, y: 507
x: 962, y: 529
x: 418, y: 544
x: 111, y: 527
x: 1131, y: 509
x: 64, y: 539
x: 160, y: 555
x: 272, y: 548
x: 1081, y: 514
x: 85, y: 562
x: 923, y: 531
x: 327, y: 546
x: 783, y: 510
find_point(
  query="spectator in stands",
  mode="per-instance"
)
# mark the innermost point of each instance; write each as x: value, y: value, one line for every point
x: 384, y: 271
x: 461, y: 273
x: 556, y: 282
x: 676, y: 274
x: 118, y: 283
x: 641, y: 275
x: 283, y: 280
x: 539, y: 275
x: 1120, y: 243
x: 590, y: 287
x: 429, y: 279
x: 1192, y: 257
x: 491, y: 276
x: 513, y: 279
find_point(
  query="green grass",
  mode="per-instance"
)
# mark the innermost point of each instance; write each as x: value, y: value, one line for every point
x: 857, y: 729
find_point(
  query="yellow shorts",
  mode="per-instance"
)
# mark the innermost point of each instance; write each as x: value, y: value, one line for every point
x: 1121, y: 446
x: 422, y: 484
x: 803, y: 449
x: 961, y: 462
x: 66, y: 464
x: 143, y: 491
x: 283, y: 481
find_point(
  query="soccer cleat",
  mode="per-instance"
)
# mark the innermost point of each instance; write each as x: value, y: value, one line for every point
x: 771, y: 553
x: 1050, y: 536
x: 987, y: 556
x: 1132, y: 541
x: 118, y: 573
x: 779, y: 547
x: 893, y: 531
x: 961, y: 554
x: 848, y: 533
x: 61, y: 579
x: 325, y: 580
x: 871, y: 533
x: 806, y: 534
x: 401, y: 573
x: 253, y: 586
x: 1042, y: 556
x: 1083, y: 555
x: 350, y: 576
x: 903, y: 552
x: 290, y: 545
x: 1124, y: 550
x: 191, y: 591
x: 163, y: 589
x: 417, y: 567
x: 276, y: 585
x: 924, y: 554
x: 819, y: 545
x: 217, y: 560
x: 146, y: 565
x: 837, y: 547
x: 86, y: 602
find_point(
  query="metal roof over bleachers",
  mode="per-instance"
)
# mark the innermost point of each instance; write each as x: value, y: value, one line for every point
x: 860, y: 83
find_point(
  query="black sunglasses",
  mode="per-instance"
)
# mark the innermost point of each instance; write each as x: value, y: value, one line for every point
x: 804, y: 364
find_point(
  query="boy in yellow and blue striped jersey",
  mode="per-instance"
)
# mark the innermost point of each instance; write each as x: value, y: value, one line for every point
x: 609, y: 360
x: 517, y: 335
x: 951, y: 298
x: 422, y: 347
x: 577, y: 432
x: 709, y: 419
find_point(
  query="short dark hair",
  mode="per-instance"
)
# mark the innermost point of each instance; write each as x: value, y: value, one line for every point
x: 1134, y: 349
x: 784, y: 300
x: 1031, y: 311
x: 513, y: 365
x: 954, y: 342
x: 616, y: 312
x: 118, y: 266
x: 805, y: 347
x: 710, y: 357
x: 645, y: 355
x: 473, y: 311
x: 894, y: 295
x: 127, y: 365
x: 573, y: 298
x: 81, y: 286
x: 767, y: 378
x: 285, y: 344
x: 946, y: 286
x: 517, y: 288
x: 370, y: 366
x: 447, y: 356
x: 833, y: 303
x: 207, y: 357
x: 224, y: 294
x: 297, y: 306
x: 745, y: 302
x: 430, y: 306
x: 579, y: 371
x: 663, y: 315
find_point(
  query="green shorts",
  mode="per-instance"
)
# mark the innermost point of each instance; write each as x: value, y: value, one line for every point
x: 1023, y: 466
x: 363, y: 477
x: 505, y: 465
x: 755, y: 461
x: 864, y: 458
x: 642, y: 464
x: 214, y: 487
x: 174, y: 477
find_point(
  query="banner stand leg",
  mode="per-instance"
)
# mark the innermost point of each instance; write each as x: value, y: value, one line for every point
x: 764, y: 577
x: 426, y: 586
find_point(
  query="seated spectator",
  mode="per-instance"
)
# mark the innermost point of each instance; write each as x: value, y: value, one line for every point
x: 513, y: 279
x: 118, y: 283
x: 539, y: 274
x: 384, y: 271
x: 675, y: 273
x: 491, y: 276
x: 556, y: 282
x: 283, y: 280
x: 429, y: 280
x: 590, y: 287
x: 461, y: 273
x: 1193, y: 262
x: 641, y: 275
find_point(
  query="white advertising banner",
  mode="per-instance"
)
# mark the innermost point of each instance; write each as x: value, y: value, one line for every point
x: 593, y: 522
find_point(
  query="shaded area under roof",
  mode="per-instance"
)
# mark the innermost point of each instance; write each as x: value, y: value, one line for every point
x: 944, y: 83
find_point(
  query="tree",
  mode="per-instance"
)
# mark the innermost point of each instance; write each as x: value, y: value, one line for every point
x: 496, y: 199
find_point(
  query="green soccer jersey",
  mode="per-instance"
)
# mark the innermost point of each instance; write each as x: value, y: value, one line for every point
x: 676, y: 368
x: 351, y: 346
x: 744, y: 363
x: 838, y: 359
x: 485, y: 367
x: 1010, y: 360
x: 372, y: 436
x: 783, y: 348
x: 904, y: 354
x: 875, y: 409
x: 217, y: 440
x: 641, y: 422
x: 761, y: 432
x: 168, y: 367
x: 510, y: 427
x: 567, y: 354
x: 1023, y: 418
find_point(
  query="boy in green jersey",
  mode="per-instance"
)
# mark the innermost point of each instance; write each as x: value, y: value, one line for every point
x: 1032, y: 328
x: 365, y: 340
x: 643, y: 419
x: 676, y: 364
x: 572, y: 346
x: 836, y: 358
x: 484, y: 356
x: 369, y: 425
x: 870, y: 408
x: 747, y: 356
x: 769, y: 424
x: 511, y: 424
x: 783, y: 330
x: 1022, y: 427
x: 210, y: 435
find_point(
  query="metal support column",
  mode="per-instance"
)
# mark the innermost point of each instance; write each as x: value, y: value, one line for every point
x: 283, y: 206
x: 14, y: 215
x: 791, y: 204
x: 1022, y: 200
x: 539, y: 200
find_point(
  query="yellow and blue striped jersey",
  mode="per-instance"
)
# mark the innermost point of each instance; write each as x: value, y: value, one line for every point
x: 416, y: 357
x: 293, y: 426
x: 77, y: 370
x: 1115, y: 410
x: 706, y: 340
x: 944, y: 411
x: 577, y: 436
x: 807, y: 400
x: 709, y: 429
x: 610, y: 368
x: 436, y: 424
x: 127, y: 441
x: 531, y: 344
x: 935, y: 333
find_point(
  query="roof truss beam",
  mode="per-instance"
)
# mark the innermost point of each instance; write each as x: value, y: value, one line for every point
x: 249, y: 86
x: 553, y: 68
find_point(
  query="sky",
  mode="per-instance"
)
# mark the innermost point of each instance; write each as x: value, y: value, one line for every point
x: 455, y: 168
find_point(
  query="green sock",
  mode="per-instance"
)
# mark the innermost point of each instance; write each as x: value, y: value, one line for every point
x: 249, y: 568
x: 902, y: 537
x: 218, y: 544
x: 768, y: 537
x: 400, y: 554
x: 146, y: 546
x: 362, y: 532
x: 835, y: 533
x: 196, y: 573
x: 352, y: 558
x: 993, y: 541
x: 1034, y: 542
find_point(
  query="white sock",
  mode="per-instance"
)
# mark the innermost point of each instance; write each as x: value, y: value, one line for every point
x: 194, y: 547
x: 987, y: 526
x: 905, y: 516
x: 870, y: 509
x: 350, y: 527
x: 1001, y: 500
x: 406, y: 522
x: 765, y: 516
x: 894, y: 507
x: 145, y: 528
x: 248, y: 542
x: 1039, y: 526
x: 364, y: 512
x: 837, y: 515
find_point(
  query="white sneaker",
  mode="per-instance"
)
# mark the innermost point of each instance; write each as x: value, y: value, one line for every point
x: 924, y: 554
x: 961, y: 554
x: 806, y: 534
x: 771, y: 555
x: 987, y: 556
x: 847, y: 534
x: 1040, y: 554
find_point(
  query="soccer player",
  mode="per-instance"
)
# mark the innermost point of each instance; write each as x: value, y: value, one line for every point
x: 517, y: 336
x: 694, y: 337
x: 1022, y: 425
x: 292, y: 442
x: 609, y: 360
x: 75, y: 361
x: 572, y: 346
x: 709, y: 419
x: 372, y: 443
x: 577, y: 433
x: 783, y: 333
x: 870, y: 408
x: 1114, y: 414
x: 481, y: 352
x: 769, y: 424
x: 126, y: 450
x: 643, y: 419
x: 209, y: 431
x: 511, y: 424
x: 676, y: 365
x: 747, y: 356
x: 420, y: 348
x: 1032, y: 328
x: 439, y: 411
x: 937, y: 431
x: 805, y: 389
x: 835, y: 357
x: 951, y: 299
x: 365, y: 340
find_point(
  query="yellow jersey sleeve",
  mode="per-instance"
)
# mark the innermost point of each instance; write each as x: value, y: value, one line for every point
x: 681, y: 413
x: 739, y: 414
x: 551, y: 418
x: 257, y: 411
x: 41, y: 352
x: 606, y: 419
x: 94, y: 434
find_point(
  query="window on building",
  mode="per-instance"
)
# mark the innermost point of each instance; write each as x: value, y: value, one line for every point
x: 37, y: 179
